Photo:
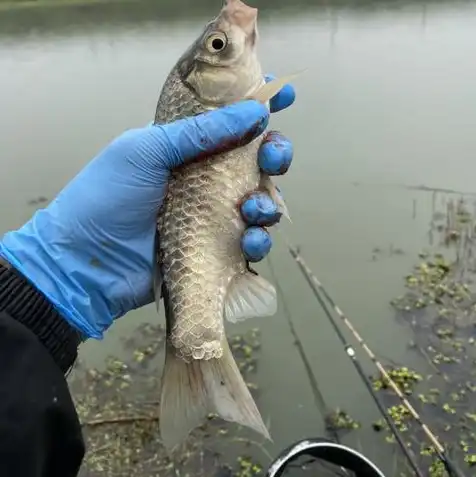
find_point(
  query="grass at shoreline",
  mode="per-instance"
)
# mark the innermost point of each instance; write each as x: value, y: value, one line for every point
x: 26, y: 4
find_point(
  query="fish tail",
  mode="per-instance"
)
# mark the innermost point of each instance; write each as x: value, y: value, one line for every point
x: 190, y: 391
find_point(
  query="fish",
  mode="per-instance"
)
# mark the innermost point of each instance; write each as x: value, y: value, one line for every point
x: 201, y: 273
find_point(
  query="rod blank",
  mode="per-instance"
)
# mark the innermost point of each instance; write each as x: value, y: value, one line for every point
x: 318, y: 288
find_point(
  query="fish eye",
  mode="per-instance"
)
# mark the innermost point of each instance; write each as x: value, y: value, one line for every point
x: 216, y: 42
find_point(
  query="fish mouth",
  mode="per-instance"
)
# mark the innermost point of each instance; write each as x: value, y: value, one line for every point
x: 240, y: 14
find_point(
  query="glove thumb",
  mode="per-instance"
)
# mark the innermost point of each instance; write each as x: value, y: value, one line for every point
x: 211, y: 133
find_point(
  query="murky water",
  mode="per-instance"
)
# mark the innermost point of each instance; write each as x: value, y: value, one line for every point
x: 388, y: 100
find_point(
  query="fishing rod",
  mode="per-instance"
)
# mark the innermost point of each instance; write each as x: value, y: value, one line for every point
x: 317, y: 289
x: 351, y: 353
x: 318, y: 396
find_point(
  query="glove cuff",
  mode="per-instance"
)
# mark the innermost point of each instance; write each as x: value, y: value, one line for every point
x: 24, y: 303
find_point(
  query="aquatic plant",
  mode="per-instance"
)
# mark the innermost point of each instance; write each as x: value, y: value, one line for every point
x: 118, y: 409
x: 439, y: 306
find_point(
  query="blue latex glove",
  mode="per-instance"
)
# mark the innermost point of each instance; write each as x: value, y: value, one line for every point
x: 91, y: 250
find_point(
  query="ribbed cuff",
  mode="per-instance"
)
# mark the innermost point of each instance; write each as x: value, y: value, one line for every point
x: 24, y: 303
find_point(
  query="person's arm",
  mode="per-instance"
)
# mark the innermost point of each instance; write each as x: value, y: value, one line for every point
x: 87, y: 259
x: 40, y: 434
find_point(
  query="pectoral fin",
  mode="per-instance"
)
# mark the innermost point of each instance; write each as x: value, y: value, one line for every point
x: 271, y: 89
x: 268, y: 185
x: 249, y: 296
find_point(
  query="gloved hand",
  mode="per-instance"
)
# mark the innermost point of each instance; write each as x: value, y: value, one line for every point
x: 91, y: 250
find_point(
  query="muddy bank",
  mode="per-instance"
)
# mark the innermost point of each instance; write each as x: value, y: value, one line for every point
x: 118, y: 409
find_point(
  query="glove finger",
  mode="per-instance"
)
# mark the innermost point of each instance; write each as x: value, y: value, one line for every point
x: 255, y: 243
x: 258, y: 208
x: 211, y: 133
x: 275, y: 154
x: 284, y: 98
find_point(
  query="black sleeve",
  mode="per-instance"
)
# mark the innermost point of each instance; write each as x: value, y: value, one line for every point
x: 40, y: 433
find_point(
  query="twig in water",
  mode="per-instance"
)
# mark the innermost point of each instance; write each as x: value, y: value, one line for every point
x: 119, y: 420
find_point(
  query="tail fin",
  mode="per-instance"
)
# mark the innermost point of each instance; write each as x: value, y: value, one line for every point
x: 192, y: 390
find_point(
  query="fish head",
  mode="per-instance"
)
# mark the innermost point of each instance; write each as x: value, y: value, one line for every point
x: 222, y: 66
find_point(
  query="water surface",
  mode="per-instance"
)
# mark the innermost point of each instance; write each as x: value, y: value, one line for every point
x: 388, y: 100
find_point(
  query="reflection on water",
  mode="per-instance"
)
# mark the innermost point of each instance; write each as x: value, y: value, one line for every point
x: 69, y: 18
x: 388, y: 99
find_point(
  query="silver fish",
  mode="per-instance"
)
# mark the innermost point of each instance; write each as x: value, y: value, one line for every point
x: 204, y: 277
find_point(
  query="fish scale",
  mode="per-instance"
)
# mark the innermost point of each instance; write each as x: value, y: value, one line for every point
x: 201, y: 272
x: 200, y: 218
